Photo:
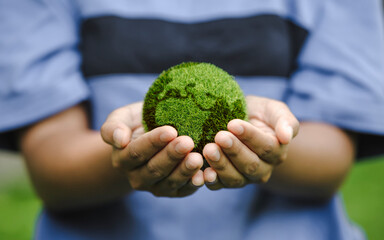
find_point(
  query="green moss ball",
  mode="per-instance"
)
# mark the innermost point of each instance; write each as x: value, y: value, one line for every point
x: 198, y: 99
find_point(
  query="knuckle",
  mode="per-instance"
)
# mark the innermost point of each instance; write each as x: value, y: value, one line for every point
x: 267, y: 148
x: 186, y: 173
x: 235, y: 183
x: 219, y: 166
x: 172, y: 184
x: 252, y: 168
x: 133, y: 154
x: 276, y: 157
x: 274, y: 160
x: 154, y: 171
x: 233, y: 151
x: 173, y: 158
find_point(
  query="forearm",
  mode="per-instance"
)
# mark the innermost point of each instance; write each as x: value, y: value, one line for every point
x: 318, y: 160
x: 71, y: 167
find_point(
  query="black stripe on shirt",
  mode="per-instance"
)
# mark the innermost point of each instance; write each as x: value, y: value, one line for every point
x: 263, y: 45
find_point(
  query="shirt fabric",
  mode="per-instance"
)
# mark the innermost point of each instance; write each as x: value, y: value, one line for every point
x: 323, y: 58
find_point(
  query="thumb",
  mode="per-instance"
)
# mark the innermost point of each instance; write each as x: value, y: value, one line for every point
x: 116, y: 134
x: 117, y: 129
x: 286, y: 130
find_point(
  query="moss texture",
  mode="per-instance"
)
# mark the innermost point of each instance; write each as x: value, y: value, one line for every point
x: 198, y: 99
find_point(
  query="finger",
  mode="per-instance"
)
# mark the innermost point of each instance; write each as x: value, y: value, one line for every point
x: 137, y: 133
x: 274, y: 113
x: 198, y: 179
x: 245, y: 160
x: 286, y: 131
x: 165, y: 161
x: 119, y: 125
x: 211, y: 180
x: 228, y: 175
x: 193, y: 185
x: 140, y: 150
x: 116, y: 134
x: 182, y: 174
x: 277, y: 115
x: 265, y: 145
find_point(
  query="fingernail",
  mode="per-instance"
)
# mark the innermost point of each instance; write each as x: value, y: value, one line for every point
x: 289, y: 132
x: 165, y: 137
x: 238, y: 129
x: 227, y: 142
x: 198, y: 182
x: 215, y: 156
x: 179, y: 148
x: 212, y: 177
x: 118, y: 137
x: 190, y: 166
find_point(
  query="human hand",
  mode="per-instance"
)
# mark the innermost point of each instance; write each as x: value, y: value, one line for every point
x: 249, y: 151
x: 157, y: 161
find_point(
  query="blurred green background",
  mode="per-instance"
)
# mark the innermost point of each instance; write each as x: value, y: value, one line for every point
x: 363, y: 193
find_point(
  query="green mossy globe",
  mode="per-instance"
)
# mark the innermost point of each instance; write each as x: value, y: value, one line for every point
x: 198, y: 99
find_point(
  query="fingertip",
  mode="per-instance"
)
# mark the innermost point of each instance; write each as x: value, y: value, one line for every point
x: 289, y: 132
x: 187, y: 140
x: 211, y: 152
x: 170, y: 129
x: 198, y: 179
x: 168, y: 133
x: 235, y: 126
x: 223, y: 139
x: 184, y: 144
x: 120, y: 138
x: 194, y: 161
x: 210, y: 175
x: 285, y: 134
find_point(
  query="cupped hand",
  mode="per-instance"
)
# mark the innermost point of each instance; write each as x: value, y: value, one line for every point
x: 158, y: 161
x: 249, y: 151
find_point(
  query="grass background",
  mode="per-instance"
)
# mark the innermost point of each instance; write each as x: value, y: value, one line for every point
x: 363, y: 194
